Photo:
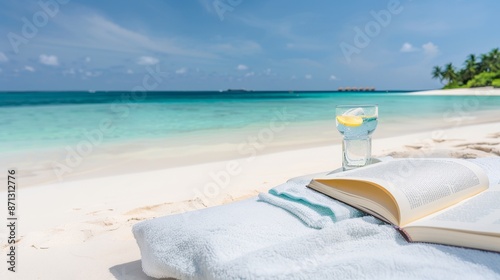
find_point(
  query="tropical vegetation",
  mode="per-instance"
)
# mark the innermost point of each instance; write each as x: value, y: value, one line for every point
x: 477, y: 71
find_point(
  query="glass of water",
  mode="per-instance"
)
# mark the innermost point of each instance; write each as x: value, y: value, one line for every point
x: 356, y: 123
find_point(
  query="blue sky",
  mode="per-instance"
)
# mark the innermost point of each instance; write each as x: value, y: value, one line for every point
x: 212, y: 45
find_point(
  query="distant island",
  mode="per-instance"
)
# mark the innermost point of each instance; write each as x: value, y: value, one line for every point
x: 238, y: 90
x: 356, y: 89
x: 481, y: 72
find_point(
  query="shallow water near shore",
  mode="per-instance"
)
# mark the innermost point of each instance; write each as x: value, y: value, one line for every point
x: 37, y: 120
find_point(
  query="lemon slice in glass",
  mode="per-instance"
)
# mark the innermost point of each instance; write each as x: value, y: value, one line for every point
x: 351, y: 121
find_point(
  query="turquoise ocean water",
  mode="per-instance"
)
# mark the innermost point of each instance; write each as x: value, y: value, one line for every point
x: 49, y: 119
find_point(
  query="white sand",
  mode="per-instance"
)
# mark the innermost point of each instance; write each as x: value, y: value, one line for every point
x: 482, y: 91
x: 81, y: 229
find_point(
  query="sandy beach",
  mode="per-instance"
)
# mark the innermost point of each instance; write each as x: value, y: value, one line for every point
x: 80, y: 227
x: 480, y: 91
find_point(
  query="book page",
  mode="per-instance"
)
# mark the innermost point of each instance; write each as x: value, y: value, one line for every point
x: 480, y: 214
x: 474, y: 222
x: 423, y: 186
x: 491, y: 165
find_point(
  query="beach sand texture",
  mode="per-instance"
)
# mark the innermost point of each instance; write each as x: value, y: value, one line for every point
x: 81, y: 228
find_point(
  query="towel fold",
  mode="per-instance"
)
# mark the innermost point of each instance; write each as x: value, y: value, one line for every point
x: 313, y: 208
x: 293, y: 232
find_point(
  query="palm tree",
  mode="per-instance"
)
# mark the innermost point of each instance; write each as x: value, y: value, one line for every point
x: 437, y: 73
x: 486, y: 63
x: 476, y: 70
x: 449, y: 73
x: 471, y: 67
x: 494, y: 56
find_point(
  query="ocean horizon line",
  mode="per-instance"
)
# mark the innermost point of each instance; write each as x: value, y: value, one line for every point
x: 34, y: 98
x: 217, y: 91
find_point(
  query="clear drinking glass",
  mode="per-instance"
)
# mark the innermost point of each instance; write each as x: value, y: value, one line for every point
x: 356, y: 123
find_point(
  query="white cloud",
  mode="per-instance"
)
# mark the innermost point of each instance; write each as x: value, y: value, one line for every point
x: 147, y: 60
x: 407, y: 47
x: 242, y: 67
x: 250, y: 74
x: 430, y: 49
x: 333, y: 77
x: 86, y: 28
x: 183, y: 70
x: 50, y: 60
x: 87, y: 59
x: 293, y: 77
x: 29, y: 68
x: 308, y: 76
x: 129, y: 71
x: 3, y: 57
x: 267, y: 71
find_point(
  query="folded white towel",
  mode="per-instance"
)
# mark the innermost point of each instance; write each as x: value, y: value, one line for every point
x: 301, y: 235
x: 313, y: 208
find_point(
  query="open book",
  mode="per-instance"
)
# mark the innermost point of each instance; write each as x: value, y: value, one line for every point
x: 446, y: 201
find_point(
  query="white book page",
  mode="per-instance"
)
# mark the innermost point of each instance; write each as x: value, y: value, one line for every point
x: 480, y: 213
x: 424, y: 186
x: 491, y: 165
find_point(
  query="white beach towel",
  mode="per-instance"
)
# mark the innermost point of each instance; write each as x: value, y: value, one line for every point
x: 295, y: 233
